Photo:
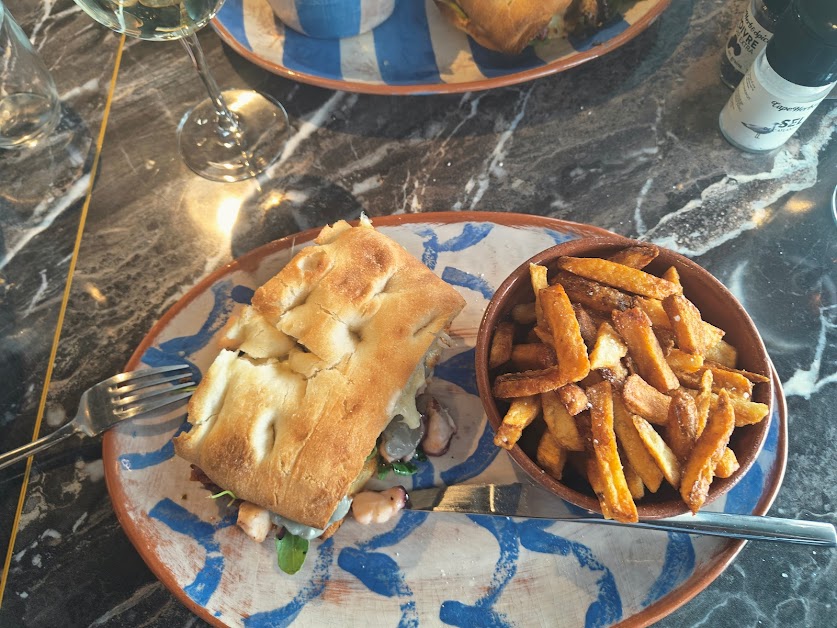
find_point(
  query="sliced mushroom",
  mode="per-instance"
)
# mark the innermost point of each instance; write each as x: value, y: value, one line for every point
x: 440, y: 429
x: 399, y: 441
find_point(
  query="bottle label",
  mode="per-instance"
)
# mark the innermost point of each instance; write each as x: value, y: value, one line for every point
x: 745, y: 42
x: 754, y: 119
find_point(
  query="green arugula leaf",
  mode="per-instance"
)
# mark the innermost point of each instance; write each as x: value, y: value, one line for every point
x: 420, y: 455
x: 404, y: 468
x: 290, y: 552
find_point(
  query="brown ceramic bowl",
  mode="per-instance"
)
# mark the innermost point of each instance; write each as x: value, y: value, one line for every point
x: 717, y: 305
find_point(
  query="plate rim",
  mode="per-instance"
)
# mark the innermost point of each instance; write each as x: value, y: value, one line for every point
x: 421, y: 89
x: 662, y: 607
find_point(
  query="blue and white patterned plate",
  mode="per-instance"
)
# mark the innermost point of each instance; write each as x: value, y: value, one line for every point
x: 416, y: 51
x: 419, y: 569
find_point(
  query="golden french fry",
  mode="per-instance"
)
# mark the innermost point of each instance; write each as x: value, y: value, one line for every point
x: 586, y: 324
x: 501, y: 345
x: 638, y: 256
x: 594, y: 476
x: 682, y: 425
x: 635, y: 451
x: 655, y: 311
x: 632, y: 479
x: 643, y: 399
x: 685, y: 362
x: 537, y: 275
x: 619, y: 276
x: 727, y: 465
x: 527, y: 383
x: 521, y: 413
x: 542, y: 334
x: 551, y: 456
x: 748, y: 412
x: 707, y: 452
x: 532, y: 356
x: 703, y: 401
x: 524, y: 313
x: 755, y: 378
x: 593, y: 378
x: 722, y: 379
x: 635, y: 328
x: 570, y: 349
x: 672, y: 275
x: 560, y: 423
x: 594, y: 295
x: 722, y: 353
x: 609, y: 348
x: 686, y: 323
x: 615, y: 374
x: 615, y: 488
x: 662, y: 454
x: 574, y: 398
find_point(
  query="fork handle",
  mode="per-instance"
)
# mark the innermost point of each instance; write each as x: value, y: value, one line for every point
x: 16, y: 455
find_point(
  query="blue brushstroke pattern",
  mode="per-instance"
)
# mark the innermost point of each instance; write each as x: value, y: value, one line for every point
x: 484, y: 454
x: 743, y: 497
x: 140, y: 460
x: 285, y: 615
x: 184, y: 522
x: 472, y: 234
x: 482, y: 613
x: 403, y: 46
x: 242, y: 294
x: 559, y: 237
x: 174, y: 351
x: 380, y: 573
x: 459, y: 370
x: 456, y: 277
x: 607, y: 608
x: 679, y: 563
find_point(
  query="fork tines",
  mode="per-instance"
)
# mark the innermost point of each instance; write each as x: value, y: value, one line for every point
x: 159, y: 388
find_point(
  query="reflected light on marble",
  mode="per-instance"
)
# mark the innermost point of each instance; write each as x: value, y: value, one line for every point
x: 799, y: 206
x: 227, y: 214
x: 761, y: 217
x: 95, y: 293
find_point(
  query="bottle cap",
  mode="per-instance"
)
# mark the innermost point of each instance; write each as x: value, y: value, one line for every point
x: 776, y: 7
x: 803, y: 49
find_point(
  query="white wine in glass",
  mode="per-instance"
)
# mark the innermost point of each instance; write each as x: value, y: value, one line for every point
x: 230, y: 136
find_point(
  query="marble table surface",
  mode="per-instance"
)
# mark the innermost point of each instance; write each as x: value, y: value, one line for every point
x: 628, y: 142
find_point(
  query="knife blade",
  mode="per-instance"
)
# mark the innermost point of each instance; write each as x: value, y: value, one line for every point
x: 522, y: 500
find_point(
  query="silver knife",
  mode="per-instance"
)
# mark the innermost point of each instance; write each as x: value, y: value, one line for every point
x: 522, y: 500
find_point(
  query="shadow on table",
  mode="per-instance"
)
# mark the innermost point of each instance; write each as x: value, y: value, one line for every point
x: 286, y: 205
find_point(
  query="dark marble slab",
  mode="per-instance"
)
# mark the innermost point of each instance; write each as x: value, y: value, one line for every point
x: 628, y: 142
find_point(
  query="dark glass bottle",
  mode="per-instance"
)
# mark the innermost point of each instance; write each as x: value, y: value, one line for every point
x: 750, y: 35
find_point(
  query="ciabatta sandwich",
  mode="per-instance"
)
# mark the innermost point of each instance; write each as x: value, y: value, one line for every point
x: 332, y: 350
x: 509, y: 26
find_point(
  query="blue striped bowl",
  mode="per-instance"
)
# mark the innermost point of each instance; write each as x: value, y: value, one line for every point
x: 332, y: 19
x: 415, y: 51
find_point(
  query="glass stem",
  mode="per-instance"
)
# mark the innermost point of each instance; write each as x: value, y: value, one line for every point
x: 227, y: 124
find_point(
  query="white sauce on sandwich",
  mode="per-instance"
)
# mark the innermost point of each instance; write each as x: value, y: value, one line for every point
x: 307, y: 532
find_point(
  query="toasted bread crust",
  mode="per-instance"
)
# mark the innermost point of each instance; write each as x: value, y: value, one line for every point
x: 503, y: 25
x: 291, y: 431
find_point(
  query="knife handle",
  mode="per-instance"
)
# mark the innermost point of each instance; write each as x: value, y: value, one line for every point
x: 750, y: 527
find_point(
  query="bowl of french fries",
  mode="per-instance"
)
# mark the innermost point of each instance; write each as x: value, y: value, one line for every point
x: 624, y: 378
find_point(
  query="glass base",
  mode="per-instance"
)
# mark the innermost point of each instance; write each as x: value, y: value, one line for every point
x: 233, y: 156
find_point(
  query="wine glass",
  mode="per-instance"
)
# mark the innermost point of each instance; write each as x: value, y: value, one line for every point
x: 230, y: 136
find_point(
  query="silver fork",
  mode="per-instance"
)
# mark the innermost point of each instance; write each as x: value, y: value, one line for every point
x: 120, y: 397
